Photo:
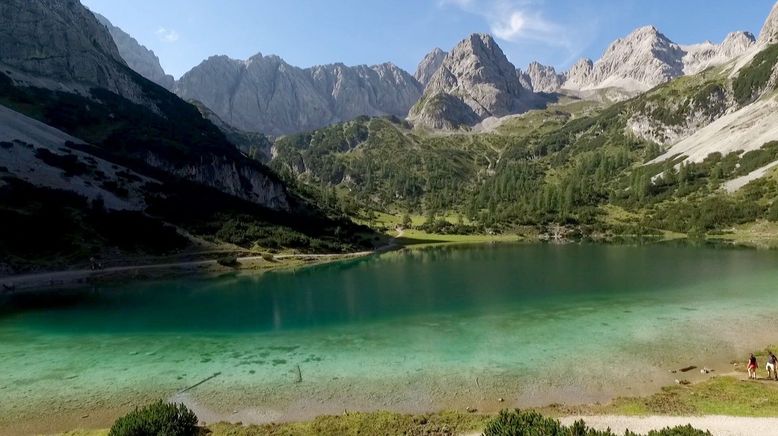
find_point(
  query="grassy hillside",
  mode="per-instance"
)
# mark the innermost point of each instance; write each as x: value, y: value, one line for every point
x: 574, y: 164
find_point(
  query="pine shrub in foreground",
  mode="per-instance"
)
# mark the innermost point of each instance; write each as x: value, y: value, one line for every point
x: 521, y: 423
x: 157, y: 419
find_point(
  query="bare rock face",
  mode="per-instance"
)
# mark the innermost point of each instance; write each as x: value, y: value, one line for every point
x: 578, y: 76
x: 698, y: 57
x: 769, y: 33
x: 138, y: 57
x: 524, y: 79
x: 736, y: 43
x: 262, y: 94
x: 429, y: 65
x: 646, y: 58
x: 476, y: 74
x: 640, y: 61
x: 59, y: 44
x: 542, y: 78
x: 350, y: 92
x: 265, y: 94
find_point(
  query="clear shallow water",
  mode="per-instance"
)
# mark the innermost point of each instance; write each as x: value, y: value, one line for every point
x: 414, y: 330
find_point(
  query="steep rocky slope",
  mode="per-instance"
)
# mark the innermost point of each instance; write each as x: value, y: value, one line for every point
x: 769, y: 32
x: 58, y: 44
x: 265, y: 94
x: 541, y: 78
x: 138, y: 57
x: 646, y: 58
x: 114, y: 163
x: 429, y: 65
x: 577, y: 77
x: 642, y: 60
x: 474, y: 82
x: 747, y: 111
x: 702, y: 56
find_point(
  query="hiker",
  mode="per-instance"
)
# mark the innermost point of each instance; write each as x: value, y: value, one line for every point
x: 94, y: 264
x: 772, y: 361
x: 752, y: 365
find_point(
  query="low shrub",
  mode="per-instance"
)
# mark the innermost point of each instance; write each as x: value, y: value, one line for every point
x: 229, y: 261
x: 755, y: 76
x: 686, y: 430
x: 157, y: 419
x: 522, y: 423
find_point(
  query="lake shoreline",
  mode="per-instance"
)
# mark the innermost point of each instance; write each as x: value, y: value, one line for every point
x: 719, y: 366
x: 48, y: 281
x: 599, y: 414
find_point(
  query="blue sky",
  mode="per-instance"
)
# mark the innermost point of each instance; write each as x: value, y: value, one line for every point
x: 309, y: 32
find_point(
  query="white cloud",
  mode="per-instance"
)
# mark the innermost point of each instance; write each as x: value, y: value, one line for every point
x: 515, y: 20
x: 167, y: 35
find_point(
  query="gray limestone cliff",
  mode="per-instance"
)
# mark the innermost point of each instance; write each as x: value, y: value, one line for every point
x: 474, y: 82
x: 266, y: 94
x: 137, y: 56
x: 429, y: 66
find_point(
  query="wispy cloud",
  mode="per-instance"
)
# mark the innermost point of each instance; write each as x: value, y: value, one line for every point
x: 521, y: 21
x: 514, y: 20
x: 167, y: 35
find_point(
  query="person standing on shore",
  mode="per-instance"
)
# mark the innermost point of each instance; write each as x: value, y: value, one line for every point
x: 752, y: 365
x: 772, y: 361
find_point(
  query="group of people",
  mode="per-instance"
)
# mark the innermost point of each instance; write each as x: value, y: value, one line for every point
x: 770, y: 366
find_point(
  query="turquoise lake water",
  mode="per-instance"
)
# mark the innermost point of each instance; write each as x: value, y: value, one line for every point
x: 413, y: 330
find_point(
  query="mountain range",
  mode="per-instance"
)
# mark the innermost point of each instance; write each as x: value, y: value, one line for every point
x: 265, y: 94
x: 98, y: 155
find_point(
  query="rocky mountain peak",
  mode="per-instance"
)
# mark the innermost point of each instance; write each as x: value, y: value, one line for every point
x: 769, y: 33
x: 542, y: 78
x: 266, y: 94
x: 736, y: 43
x: 475, y: 81
x: 478, y: 71
x: 578, y: 75
x: 429, y: 65
x: 637, y: 62
x: 701, y: 56
x: 137, y: 56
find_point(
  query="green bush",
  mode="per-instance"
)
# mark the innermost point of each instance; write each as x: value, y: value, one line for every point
x: 753, y: 78
x: 229, y: 261
x: 772, y: 212
x: 520, y: 423
x: 158, y: 419
x: 687, y: 430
